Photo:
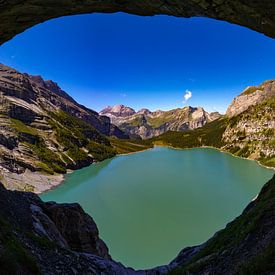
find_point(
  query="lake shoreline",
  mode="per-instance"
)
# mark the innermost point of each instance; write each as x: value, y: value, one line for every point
x: 220, y: 150
x: 60, y: 179
x: 131, y: 153
x: 137, y: 191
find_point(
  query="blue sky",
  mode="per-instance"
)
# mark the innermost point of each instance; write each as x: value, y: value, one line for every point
x: 107, y: 59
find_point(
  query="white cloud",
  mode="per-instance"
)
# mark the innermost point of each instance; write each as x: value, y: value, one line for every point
x: 123, y: 94
x: 187, y: 96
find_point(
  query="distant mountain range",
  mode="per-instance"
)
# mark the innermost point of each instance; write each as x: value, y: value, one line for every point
x: 247, y: 129
x: 146, y: 124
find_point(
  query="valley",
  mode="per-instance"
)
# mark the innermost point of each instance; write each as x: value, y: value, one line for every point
x: 158, y: 182
x: 45, y: 135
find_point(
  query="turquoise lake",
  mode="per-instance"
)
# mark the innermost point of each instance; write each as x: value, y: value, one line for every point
x: 150, y: 205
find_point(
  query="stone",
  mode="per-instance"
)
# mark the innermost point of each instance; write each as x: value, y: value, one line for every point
x: 17, y: 16
x: 78, y: 228
x: 251, y: 96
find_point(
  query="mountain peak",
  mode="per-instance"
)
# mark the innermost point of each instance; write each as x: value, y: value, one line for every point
x: 144, y: 111
x: 49, y: 85
x: 252, y: 95
x: 118, y: 110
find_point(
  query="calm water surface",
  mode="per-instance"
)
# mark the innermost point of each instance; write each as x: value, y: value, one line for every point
x: 150, y: 205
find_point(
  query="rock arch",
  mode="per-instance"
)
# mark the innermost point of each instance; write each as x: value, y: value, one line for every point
x: 19, y: 15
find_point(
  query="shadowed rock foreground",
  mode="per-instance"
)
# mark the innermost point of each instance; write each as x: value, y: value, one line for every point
x: 51, y: 238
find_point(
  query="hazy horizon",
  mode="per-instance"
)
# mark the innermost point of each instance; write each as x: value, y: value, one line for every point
x: 158, y: 62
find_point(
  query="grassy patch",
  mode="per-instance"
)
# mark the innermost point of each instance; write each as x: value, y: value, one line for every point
x: 243, y: 152
x: 269, y: 161
x: 74, y: 134
x: 49, y: 161
x: 129, y: 146
x: 209, y: 135
x: 21, y: 127
x: 250, y: 90
x: 75, y: 130
x: 100, y: 151
x: 136, y: 121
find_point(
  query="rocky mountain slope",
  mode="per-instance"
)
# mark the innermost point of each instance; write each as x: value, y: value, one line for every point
x: 50, y: 238
x: 250, y: 132
x: 147, y: 124
x: 252, y: 95
x: 248, y: 129
x: 44, y: 132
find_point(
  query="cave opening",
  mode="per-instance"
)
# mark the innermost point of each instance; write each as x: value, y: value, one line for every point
x: 120, y: 93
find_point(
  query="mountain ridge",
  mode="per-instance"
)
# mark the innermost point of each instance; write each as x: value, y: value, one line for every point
x: 147, y: 124
x: 44, y: 132
x: 252, y: 95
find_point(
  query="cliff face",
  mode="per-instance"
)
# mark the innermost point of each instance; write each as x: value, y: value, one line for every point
x: 251, y: 129
x: 16, y: 15
x: 118, y: 111
x: 252, y: 95
x: 251, y: 134
x: 146, y: 124
x: 43, y: 132
x: 30, y: 99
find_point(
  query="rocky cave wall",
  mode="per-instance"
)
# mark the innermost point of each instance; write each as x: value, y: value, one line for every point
x: 17, y: 15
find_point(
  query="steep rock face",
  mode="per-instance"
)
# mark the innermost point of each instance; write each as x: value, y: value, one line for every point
x: 30, y: 98
x: 17, y: 15
x: 251, y: 96
x: 118, y: 111
x: 78, y: 228
x: 251, y: 129
x: 147, y: 124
